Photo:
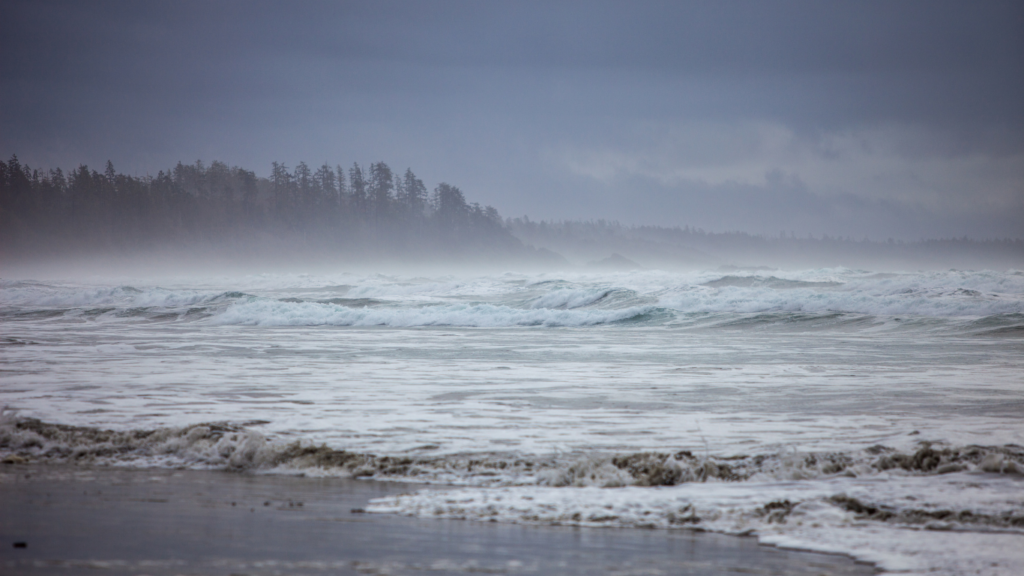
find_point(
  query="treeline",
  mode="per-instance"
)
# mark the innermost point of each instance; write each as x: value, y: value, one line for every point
x: 356, y: 210
x: 685, y: 246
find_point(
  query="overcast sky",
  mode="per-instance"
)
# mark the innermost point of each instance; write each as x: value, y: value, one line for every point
x: 885, y: 119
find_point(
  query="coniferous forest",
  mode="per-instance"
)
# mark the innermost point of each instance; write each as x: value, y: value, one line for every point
x: 373, y: 211
x: 358, y: 213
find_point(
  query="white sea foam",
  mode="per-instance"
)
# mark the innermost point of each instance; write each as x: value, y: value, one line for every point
x: 829, y: 515
x: 949, y: 294
x: 911, y: 520
x: 741, y: 388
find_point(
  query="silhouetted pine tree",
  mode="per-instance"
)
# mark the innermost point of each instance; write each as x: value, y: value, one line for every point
x: 357, y: 185
x: 380, y: 190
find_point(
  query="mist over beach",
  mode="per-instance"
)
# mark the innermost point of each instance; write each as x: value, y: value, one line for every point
x: 516, y: 288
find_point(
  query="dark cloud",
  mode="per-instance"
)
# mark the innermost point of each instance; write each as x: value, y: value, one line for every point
x: 552, y: 109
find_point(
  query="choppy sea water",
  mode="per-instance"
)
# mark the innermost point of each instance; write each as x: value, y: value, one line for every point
x: 875, y: 414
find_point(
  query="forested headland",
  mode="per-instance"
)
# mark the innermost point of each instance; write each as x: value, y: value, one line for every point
x: 329, y: 210
x: 375, y: 214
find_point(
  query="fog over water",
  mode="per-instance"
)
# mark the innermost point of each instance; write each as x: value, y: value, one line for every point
x: 754, y: 268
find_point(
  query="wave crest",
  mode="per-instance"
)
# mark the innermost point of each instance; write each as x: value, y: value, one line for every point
x: 277, y: 313
x: 242, y: 447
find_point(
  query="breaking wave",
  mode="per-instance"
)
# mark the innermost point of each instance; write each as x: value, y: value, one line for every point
x: 841, y: 496
x: 243, y: 447
x: 990, y: 303
x: 568, y: 298
x: 277, y: 313
x: 818, y: 501
x: 37, y: 295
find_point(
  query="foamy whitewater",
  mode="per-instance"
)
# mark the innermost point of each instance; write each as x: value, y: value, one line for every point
x: 877, y: 415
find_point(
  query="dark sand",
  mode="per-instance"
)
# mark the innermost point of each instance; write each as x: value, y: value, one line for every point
x: 77, y: 520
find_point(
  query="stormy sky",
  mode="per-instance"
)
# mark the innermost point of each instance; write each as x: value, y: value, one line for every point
x: 880, y: 119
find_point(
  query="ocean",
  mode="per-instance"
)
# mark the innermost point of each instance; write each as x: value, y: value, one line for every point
x: 879, y: 415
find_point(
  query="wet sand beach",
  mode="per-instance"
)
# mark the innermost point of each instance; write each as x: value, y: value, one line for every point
x: 75, y: 520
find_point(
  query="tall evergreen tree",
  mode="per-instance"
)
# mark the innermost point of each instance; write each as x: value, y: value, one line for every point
x: 343, y: 191
x: 414, y: 194
x: 357, y: 183
x: 303, y: 179
x: 285, y: 209
x: 381, y: 188
x: 327, y: 194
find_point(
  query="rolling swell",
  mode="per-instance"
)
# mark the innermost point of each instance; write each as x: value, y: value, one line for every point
x: 567, y: 299
x: 263, y: 312
x: 1006, y: 325
x: 988, y: 304
x: 36, y: 301
x: 241, y: 447
x: 767, y: 282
